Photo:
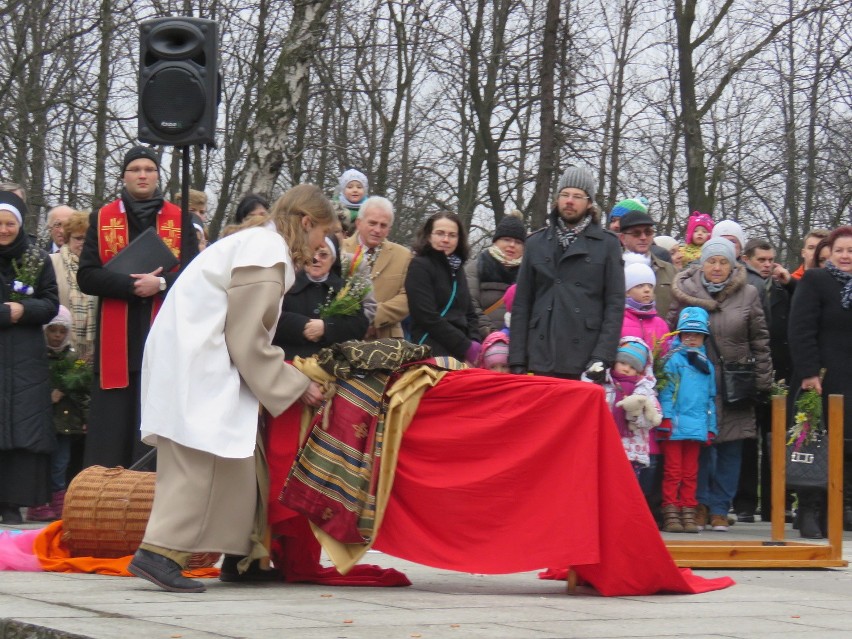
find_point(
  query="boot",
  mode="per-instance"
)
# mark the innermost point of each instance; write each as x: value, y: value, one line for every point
x: 40, y: 513
x: 702, y: 516
x: 57, y: 502
x: 255, y: 573
x: 11, y: 514
x: 163, y: 572
x: 809, y: 509
x: 671, y: 519
x: 687, y: 518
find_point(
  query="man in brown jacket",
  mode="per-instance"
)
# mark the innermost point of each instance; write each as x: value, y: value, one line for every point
x: 388, y: 265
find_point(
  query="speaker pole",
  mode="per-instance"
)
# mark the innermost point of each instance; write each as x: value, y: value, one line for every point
x: 184, y: 186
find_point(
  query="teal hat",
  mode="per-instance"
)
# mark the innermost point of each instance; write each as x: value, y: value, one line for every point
x: 639, y: 204
x: 633, y: 354
x: 693, y: 319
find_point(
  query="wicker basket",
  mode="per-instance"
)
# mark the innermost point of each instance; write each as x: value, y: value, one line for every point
x: 106, y: 511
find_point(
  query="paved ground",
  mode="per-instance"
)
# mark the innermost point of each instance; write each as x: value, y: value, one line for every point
x: 763, y: 604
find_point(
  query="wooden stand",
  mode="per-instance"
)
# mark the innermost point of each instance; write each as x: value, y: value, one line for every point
x: 778, y: 553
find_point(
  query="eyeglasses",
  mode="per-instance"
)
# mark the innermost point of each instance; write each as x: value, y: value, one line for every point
x: 638, y: 233
x: 573, y: 196
x: 444, y: 235
x: 56, y: 225
x: 323, y: 255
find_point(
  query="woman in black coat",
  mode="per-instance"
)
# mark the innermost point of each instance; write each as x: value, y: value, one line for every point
x: 442, y: 313
x: 301, y: 332
x: 26, y: 417
x: 821, y: 338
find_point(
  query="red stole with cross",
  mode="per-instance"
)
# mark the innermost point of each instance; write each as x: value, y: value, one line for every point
x: 113, y: 237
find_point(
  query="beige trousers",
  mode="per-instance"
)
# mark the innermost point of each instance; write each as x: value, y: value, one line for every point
x: 205, y: 503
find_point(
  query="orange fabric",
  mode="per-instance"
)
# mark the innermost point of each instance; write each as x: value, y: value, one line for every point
x: 54, y: 556
x: 797, y: 274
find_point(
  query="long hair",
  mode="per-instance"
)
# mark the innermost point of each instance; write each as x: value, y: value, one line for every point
x: 303, y: 200
x: 422, y: 245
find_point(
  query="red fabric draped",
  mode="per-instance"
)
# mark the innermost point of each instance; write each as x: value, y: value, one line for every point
x: 502, y: 473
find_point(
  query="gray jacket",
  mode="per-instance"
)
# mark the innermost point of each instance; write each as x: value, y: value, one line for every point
x: 739, y: 330
x: 569, y: 305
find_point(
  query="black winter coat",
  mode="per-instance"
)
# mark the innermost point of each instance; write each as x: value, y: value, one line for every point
x: 775, y: 298
x: 94, y: 279
x: 821, y: 337
x: 301, y: 304
x: 429, y: 285
x: 569, y: 305
x: 26, y: 413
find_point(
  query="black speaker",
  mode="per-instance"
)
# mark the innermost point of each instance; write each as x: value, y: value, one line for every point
x: 178, y: 81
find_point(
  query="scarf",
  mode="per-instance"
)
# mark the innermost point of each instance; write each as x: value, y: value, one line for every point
x: 495, y: 252
x: 82, y: 306
x: 712, y: 288
x: 455, y: 262
x: 13, y: 252
x: 846, y: 280
x: 141, y: 213
x: 639, y: 308
x: 567, y: 234
x: 624, y: 387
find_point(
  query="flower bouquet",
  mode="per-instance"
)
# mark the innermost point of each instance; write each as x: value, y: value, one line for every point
x: 807, y: 421
x: 349, y: 299
x: 27, y: 273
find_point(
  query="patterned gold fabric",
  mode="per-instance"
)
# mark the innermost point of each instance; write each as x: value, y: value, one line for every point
x: 355, y: 356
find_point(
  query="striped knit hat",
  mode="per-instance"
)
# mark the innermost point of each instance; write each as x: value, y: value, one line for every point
x: 626, y: 206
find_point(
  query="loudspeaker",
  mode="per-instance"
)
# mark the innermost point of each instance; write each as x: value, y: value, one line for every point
x: 178, y: 81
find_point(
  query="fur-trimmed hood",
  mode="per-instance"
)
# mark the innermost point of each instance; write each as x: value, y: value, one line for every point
x: 689, y: 291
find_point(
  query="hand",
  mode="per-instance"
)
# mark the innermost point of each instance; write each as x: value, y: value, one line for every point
x: 147, y: 284
x: 313, y: 395
x: 472, y: 353
x: 812, y: 383
x: 596, y: 371
x: 664, y: 430
x: 56, y: 395
x: 314, y: 330
x: 16, y: 311
x: 780, y: 274
x: 710, y: 438
x: 372, y: 333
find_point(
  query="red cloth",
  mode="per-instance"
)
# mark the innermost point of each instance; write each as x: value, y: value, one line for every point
x: 504, y: 473
x: 680, y: 472
x: 295, y: 551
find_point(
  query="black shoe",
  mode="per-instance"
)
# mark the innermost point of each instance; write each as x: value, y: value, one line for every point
x: 745, y: 518
x: 254, y: 574
x: 163, y: 572
x: 809, y: 527
x: 11, y: 515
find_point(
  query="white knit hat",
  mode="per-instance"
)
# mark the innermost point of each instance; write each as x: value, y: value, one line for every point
x: 729, y: 227
x: 636, y: 274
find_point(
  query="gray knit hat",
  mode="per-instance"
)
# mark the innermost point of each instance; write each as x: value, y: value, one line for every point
x: 575, y: 177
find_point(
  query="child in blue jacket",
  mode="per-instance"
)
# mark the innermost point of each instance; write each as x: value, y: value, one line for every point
x: 687, y: 395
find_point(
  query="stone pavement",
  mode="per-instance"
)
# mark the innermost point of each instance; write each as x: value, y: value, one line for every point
x: 765, y: 603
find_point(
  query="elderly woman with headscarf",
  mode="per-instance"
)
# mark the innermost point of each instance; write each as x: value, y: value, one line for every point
x: 28, y: 300
x: 738, y: 334
x: 82, y: 307
x: 494, y: 271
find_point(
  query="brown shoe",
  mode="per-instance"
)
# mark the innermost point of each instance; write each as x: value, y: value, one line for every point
x: 671, y: 519
x: 719, y: 523
x: 702, y: 516
x: 687, y: 518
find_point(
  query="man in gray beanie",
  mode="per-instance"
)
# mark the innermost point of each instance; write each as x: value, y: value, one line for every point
x: 569, y: 303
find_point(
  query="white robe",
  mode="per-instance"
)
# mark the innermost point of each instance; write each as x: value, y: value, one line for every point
x: 192, y: 392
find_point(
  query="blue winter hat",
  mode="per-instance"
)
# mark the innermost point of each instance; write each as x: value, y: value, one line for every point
x: 694, y: 319
x: 633, y: 354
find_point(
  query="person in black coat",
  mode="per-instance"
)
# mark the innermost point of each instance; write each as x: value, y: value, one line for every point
x: 821, y: 338
x: 27, y: 435
x: 301, y: 332
x: 129, y: 304
x: 442, y: 312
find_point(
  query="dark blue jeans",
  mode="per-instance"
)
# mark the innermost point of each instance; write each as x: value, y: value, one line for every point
x: 719, y: 475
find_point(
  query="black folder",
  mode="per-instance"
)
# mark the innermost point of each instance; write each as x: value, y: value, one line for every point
x: 144, y: 254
